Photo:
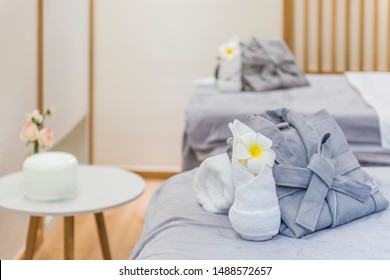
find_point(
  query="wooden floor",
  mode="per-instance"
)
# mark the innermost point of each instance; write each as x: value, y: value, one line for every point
x: 124, y: 226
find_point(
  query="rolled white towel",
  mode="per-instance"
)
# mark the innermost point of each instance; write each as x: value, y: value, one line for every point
x: 229, y: 73
x: 255, y: 212
x: 213, y: 184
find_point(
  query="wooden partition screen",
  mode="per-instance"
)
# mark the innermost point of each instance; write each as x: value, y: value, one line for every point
x: 333, y: 36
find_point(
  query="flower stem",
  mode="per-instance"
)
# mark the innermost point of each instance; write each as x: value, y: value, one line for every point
x: 36, y: 147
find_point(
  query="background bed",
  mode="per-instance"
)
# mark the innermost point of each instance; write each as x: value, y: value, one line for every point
x: 343, y: 36
x: 210, y: 111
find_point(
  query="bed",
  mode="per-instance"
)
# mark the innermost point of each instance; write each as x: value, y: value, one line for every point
x: 181, y: 229
x: 177, y: 227
x: 209, y: 111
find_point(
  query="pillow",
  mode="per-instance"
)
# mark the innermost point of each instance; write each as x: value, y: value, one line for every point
x: 268, y: 64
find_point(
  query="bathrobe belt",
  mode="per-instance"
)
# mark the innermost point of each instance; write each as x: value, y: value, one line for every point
x: 318, y: 178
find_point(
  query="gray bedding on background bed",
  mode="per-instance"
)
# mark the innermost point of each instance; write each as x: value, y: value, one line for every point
x: 177, y: 227
x: 209, y: 111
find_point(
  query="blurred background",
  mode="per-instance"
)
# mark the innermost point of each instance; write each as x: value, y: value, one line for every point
x: 120, y: 86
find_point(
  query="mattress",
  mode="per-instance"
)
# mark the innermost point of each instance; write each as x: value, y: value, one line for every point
x: 209, y: 112
x: 177, y: 227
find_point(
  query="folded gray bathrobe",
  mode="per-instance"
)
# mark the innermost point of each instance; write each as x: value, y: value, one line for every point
x: 320, y: 183
x: 268, y: 64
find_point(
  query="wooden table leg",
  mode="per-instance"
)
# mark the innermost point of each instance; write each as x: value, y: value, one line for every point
x: 69, y: 237
x: 103, y: 236
x: 32, y: 237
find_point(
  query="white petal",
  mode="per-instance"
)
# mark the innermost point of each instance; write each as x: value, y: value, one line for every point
x: 268, y: 156
x: 233, y: 130
x: 236, y: 137
x: 248, y: 138
x: 256, y: 165
x: 231, y: 45
x: 241, y: 152
x: 241, y: 128
x: 263, y: 141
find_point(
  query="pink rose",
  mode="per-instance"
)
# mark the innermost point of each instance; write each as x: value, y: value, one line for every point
x: 29, y: 132
x: 45, y: 137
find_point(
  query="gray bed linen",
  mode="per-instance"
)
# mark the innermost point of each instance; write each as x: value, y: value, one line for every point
x: 209, y: 112
x: 177, y: 227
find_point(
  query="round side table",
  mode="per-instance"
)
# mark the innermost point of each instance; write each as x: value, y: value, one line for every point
x: 100, y: 188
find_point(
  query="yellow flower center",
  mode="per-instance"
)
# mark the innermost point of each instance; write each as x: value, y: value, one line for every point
x: 255, y: 150
x: 229, y: 51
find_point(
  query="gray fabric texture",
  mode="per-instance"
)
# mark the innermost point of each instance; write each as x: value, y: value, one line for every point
x: 268, y: 64
x: 209, y: 112
x: 177, y: 227
x: 319, y: 182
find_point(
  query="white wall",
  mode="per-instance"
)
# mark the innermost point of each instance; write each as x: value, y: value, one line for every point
x: 75, y: 142
x: 65, y: 87
x: 18, y: 89
x: 66, y: 61
x: 148, y: 53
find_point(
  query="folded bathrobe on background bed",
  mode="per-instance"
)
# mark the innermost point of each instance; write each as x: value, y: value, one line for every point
x: 268, y: 64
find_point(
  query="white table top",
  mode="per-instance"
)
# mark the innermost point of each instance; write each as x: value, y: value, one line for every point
x: 100, y: 188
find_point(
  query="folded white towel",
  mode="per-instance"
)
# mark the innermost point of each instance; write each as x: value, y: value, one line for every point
x: 374, y: 88
x: 213, y: 184
x: 255, y: 212
x: 229, y: 73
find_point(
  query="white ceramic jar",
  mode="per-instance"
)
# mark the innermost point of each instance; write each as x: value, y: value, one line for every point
x: 50, y: 176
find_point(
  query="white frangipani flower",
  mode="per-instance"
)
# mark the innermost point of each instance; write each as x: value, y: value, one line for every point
x: 251, y: 149
x: 229, y: 51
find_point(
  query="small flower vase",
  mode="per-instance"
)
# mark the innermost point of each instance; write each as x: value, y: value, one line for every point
x: 50, y: 176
